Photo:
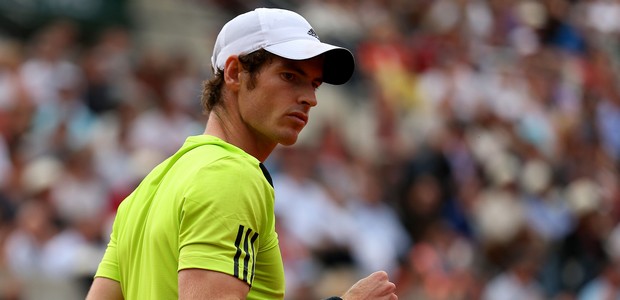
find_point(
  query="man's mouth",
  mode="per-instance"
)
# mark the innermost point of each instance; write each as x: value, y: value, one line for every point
x: 300, y: 116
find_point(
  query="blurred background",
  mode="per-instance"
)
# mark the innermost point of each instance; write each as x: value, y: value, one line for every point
x: 474, y: 155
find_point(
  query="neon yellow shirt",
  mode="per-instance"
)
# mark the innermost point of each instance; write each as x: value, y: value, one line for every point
x: 209, y: 206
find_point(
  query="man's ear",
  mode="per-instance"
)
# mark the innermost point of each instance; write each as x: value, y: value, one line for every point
x: 232, y: 72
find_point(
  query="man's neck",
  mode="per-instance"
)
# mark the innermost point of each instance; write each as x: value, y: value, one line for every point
x: 233, y: 131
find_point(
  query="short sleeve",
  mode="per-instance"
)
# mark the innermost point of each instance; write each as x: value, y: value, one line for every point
x: 222, y: 218
x: 109, y: 267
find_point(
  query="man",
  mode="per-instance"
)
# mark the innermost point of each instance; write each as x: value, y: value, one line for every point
x: 201, y: 224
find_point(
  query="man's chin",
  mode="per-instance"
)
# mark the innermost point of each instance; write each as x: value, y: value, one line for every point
x: 288, y: 140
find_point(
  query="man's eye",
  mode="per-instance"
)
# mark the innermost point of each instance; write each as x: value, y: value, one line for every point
x: 288, y: 76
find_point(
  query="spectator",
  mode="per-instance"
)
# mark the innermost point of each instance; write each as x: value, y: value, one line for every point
x: 481, y: 120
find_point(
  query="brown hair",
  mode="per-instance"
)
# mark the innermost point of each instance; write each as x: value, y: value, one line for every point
x: 212, y: 88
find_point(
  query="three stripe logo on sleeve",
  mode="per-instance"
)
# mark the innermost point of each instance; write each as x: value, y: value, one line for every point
x: 245, y: 249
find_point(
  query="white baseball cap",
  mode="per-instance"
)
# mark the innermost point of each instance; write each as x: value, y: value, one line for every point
x: 285, y: 34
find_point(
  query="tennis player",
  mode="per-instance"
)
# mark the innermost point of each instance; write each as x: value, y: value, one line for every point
x: 201, y: 224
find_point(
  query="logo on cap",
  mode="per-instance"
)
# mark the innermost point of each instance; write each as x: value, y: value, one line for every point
x: 312, y: 33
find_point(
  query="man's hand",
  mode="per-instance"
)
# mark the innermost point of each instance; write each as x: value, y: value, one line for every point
x: 374, y: 287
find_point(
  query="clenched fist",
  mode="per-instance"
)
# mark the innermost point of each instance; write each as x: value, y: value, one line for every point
x: 376, y: 286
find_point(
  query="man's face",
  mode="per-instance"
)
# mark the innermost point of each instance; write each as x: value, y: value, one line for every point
x: 277, y: 108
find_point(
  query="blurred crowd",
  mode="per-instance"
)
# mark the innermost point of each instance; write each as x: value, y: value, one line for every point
x: 474, y: 155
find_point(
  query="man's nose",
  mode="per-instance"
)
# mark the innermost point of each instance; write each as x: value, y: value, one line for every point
x: 308, y: 98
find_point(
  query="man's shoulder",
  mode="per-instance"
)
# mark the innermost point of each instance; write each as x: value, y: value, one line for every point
x: 211, y: 149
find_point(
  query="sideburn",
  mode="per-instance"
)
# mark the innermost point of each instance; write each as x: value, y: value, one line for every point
x: 251, y: 84
x: 253, y: 63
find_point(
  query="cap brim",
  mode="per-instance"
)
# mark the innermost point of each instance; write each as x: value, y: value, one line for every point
x: 339, y: 62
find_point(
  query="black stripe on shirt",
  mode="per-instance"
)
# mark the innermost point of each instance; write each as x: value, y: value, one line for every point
x: 238, y: 253
x: 249, y: 238
x: 246, y: 261
x: 254, y: 237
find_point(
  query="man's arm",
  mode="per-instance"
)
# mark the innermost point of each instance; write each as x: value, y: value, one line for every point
x: 105, y: 289
x: 200, y: 284
x: 197, y: 284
